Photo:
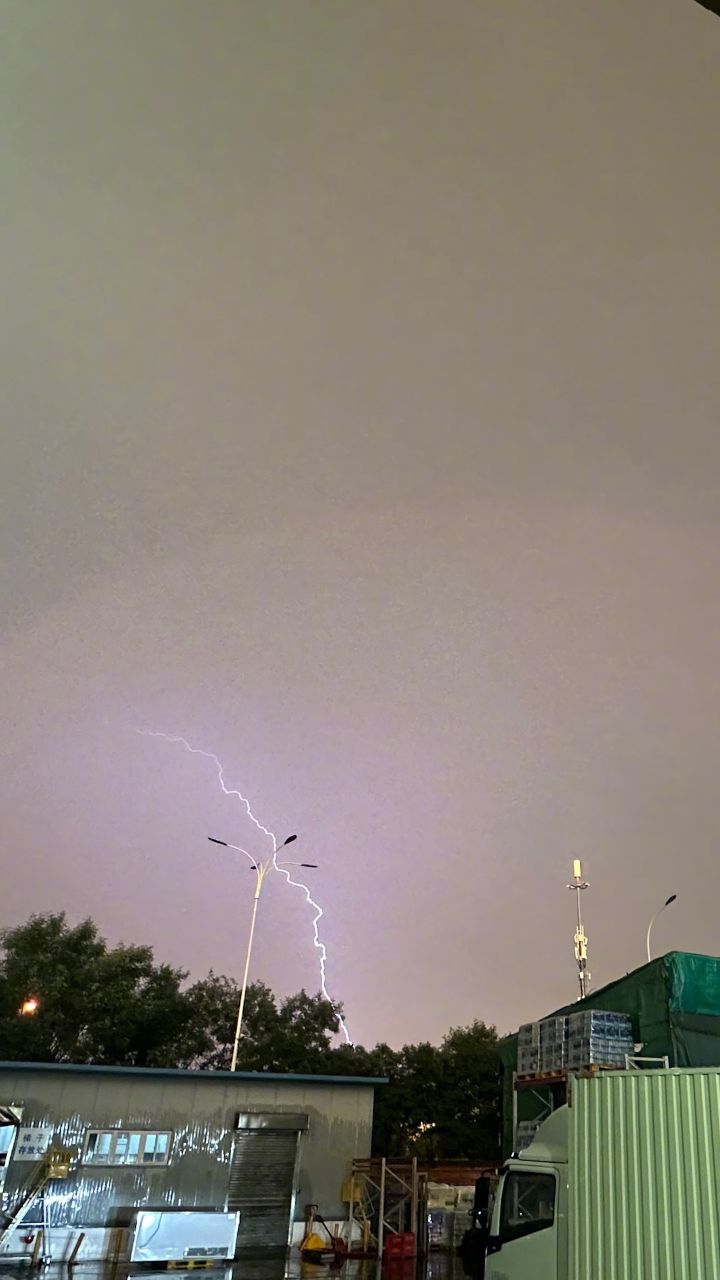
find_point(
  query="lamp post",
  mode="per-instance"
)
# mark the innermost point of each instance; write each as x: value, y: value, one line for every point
x: 659, y: 912
x: 261, y: 870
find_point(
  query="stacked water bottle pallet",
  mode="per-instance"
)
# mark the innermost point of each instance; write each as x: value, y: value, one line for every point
x: 589, y: 1038
x: 553, y: 1044
x: 597, y: 1038
x: 529, y: 1048
x: 542, y: 1046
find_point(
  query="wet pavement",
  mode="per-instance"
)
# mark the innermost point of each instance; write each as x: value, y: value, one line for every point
x: 437, y: 1266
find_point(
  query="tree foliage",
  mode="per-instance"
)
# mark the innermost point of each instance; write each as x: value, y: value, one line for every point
x: 96, y: 1004
x: 440, y: 1102
x: 291, y: 1036
x: 117, y: 1006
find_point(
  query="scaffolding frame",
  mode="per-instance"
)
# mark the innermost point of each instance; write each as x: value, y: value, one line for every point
x: 54, y: 1165
x: 387, y: 1197
x: 545, y: 1088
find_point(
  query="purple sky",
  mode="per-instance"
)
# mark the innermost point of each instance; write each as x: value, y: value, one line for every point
x: 360, y: 391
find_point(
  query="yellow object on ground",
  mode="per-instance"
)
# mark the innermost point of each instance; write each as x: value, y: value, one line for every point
x: 314, y: 1243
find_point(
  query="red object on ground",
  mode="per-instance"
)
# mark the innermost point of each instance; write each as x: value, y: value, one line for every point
x: 401, y: 1244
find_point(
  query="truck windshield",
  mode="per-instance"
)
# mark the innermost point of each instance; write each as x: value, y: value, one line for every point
x: 528, y: 1203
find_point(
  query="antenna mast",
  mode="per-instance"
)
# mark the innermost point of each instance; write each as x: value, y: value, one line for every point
x: 581, y: 942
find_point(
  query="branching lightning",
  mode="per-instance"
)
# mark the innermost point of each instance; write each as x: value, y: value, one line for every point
x: 265, y: 831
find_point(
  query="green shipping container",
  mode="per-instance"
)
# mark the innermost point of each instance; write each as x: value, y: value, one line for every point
x: 622, y: 1184
x: 644, y: 1176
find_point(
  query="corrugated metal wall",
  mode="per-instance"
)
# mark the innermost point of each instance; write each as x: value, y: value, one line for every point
x: 645, y: 1176
x: 201, y: 1112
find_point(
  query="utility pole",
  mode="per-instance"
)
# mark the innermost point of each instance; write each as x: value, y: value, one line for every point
x: 581, y: 942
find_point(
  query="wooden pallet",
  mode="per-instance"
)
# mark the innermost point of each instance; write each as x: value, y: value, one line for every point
x: 541, y: 1077
x: 565, y: 1073
x: 594, y: 1068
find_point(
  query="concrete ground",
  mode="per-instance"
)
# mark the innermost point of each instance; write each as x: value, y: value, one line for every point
x: 438, y: 1266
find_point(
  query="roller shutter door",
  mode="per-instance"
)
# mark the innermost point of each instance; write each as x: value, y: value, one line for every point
x: 260, y: 1186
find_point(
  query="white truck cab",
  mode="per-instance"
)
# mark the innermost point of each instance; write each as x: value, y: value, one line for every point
x: 528, y: 1236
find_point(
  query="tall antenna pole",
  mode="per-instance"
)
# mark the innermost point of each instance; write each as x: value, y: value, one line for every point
x: 581, y: 942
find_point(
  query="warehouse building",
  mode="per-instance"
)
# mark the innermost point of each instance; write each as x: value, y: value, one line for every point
x: 258, y: 1144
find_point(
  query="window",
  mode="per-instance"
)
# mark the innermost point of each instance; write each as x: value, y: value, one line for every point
x: 126, y: 1146
x: 156, y: 1145
x: 528, y: 1204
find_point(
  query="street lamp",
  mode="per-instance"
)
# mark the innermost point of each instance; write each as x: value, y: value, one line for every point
x: 261, y: 870
x: 29, y: 1007
x: 660, y: 910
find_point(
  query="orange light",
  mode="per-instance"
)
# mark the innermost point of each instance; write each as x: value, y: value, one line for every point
x: 29, y: 1007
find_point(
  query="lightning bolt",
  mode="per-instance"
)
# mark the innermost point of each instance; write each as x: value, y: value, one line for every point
x: 265, y: 831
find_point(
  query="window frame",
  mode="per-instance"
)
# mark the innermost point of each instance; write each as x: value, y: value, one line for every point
x: 508, y: 1233
x: 109, y: 1159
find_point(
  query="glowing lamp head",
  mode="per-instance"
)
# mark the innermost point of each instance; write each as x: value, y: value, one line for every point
x: 577, y: 869
x: 29, y: 1007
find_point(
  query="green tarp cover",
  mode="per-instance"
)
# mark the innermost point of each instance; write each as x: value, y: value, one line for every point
x: 674, y: 1003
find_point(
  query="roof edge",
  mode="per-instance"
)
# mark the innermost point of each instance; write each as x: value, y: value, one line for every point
x: 187, y: 1073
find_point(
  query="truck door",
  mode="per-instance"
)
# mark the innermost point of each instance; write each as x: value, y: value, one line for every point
x: 524, y: 1244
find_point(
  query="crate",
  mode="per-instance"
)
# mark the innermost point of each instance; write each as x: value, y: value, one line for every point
x: 553, y: 1031
x: 599, y: 1022
x: 528, y: 1061
x: 553, y: 1058
x: 529, y: 1035
x: 586, y: 1050
x: 400, y: 1244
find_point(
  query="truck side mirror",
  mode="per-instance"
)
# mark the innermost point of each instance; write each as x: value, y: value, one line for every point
x: 482, y: 1194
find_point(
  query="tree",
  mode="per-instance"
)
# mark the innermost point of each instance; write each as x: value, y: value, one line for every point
x: 468, y: 1122
x: 292, y: 1036
x: 213, y: 1004
x: 415, y: 1098
x: 440, y: 1102
x: 95, y: 1004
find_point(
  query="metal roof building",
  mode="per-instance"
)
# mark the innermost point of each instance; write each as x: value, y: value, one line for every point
x: 259, y: 1144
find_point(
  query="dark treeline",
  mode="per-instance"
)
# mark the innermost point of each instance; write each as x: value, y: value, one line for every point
x: 117, y: 1006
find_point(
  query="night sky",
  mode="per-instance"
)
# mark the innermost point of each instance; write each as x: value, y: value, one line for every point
x: 360, y: 388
